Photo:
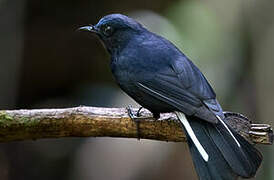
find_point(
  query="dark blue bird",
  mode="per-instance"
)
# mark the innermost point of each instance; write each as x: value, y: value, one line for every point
x: 157, y: 75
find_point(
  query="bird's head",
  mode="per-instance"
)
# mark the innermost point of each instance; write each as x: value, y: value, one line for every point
x: 115, y: 31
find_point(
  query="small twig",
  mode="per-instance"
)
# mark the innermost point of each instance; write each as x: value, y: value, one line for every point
x: 112, y: 122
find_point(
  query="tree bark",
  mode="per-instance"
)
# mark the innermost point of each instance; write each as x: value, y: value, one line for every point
x: 83, y: 121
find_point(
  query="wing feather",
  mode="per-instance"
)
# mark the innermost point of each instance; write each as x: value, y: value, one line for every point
x: 183, y: 86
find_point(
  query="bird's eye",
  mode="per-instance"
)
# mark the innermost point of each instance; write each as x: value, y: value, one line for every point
x: 107, y: 30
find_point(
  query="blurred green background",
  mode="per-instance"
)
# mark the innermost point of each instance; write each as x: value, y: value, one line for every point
x: 45, y: 63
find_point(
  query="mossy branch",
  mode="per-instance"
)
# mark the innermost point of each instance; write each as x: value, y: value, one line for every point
x: 111, y: 122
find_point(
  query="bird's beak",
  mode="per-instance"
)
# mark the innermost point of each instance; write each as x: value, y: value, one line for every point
x: 90, y: 28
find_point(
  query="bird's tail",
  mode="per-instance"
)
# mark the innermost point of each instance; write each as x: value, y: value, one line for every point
x: 218, y: 152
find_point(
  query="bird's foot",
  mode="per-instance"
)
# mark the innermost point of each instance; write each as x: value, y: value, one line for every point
x: 138, y: 114
x: 132, y: 115
x: 136, y: 118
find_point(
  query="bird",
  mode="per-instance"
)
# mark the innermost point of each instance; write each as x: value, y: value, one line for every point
x: 161, y: 78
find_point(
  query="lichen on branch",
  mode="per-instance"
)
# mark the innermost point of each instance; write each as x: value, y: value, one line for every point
x: 109, y: 122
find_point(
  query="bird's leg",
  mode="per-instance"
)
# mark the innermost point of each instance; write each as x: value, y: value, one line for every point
x: 138, y: 114
x: 136, y: 118
x: 156, y: 115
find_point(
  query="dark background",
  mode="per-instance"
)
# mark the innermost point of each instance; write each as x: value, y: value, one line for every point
x: 45, y: 63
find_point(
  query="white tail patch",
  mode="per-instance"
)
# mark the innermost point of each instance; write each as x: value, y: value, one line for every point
x: 229, y: 131
x: 192, y: 135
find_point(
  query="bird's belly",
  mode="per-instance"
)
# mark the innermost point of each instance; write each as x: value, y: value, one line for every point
x: 127, y: 81
x: 154, y: 105
x: 145, y: 100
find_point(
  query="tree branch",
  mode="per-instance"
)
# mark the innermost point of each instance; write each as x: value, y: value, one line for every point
x: 112, y: 122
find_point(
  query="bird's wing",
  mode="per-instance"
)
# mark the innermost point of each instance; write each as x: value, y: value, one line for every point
x: 183, y: 86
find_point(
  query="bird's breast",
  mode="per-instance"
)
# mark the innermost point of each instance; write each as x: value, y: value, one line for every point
x: 127, y: 68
